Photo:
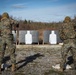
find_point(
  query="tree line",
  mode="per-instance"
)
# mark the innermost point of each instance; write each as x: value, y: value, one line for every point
x: 30, y: 25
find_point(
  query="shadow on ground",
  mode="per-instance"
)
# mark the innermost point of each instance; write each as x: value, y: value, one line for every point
x: 6, y: 58
x: 28, y: 60
x: 70, y: 60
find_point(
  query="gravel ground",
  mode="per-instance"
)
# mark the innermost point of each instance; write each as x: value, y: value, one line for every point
x: 37, y: 60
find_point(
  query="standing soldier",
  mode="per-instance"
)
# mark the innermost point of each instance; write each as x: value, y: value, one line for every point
x: 0, y: 47
x: 68, y: 35
x: 7, y: 38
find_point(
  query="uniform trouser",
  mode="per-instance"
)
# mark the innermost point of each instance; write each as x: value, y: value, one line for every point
x: 1, y: 57
x: 69, y: 45
x: 1, y: 52
x: 11, y: 48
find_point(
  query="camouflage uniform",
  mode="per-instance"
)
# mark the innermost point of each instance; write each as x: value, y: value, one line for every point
x: 68, y: 35
x: 1, y: 56
x: 7, y: 38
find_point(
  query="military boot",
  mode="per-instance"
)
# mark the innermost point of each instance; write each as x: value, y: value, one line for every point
x: 0, y: 69
x: 13, y: 67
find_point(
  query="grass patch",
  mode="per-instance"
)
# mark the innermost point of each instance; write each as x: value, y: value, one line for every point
x: 19, y: 73
x: 52, y: 72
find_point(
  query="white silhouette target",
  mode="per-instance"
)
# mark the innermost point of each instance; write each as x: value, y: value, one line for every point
x: 28, y: 38
x: 53, y: 38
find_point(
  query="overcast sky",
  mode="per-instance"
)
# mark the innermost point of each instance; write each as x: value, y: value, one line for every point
x: 39, y: 10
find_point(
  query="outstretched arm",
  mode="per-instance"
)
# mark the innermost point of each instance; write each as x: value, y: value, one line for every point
x: 15, y: 24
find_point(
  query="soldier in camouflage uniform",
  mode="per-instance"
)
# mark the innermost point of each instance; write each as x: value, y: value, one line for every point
x: 68, y: 35
x: 6, y: 25
x: 0, y: 47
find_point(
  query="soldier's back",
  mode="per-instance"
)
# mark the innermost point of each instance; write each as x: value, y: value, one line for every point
x: 6, y: 27
x: 68, y: 30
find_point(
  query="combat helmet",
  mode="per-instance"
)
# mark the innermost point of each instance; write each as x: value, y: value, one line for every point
x: 5, y: 15
x: 67, y: 19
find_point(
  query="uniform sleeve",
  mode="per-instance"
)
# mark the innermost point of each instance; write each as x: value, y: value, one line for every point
x: 61, y: 32
x: 15, y: 23
x: 0, y: 25
x: 74, y: 26
x: 0, y: 28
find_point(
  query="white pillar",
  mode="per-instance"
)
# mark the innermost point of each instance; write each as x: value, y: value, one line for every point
x: 28, y: 38
x: 53, y: 38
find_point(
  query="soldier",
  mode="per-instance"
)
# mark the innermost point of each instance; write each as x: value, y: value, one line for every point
x: 68, y: 35
x: 7, y: 38
x: 0, y: 47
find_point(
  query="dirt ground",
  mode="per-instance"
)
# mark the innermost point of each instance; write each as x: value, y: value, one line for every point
x: 36, y: 60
